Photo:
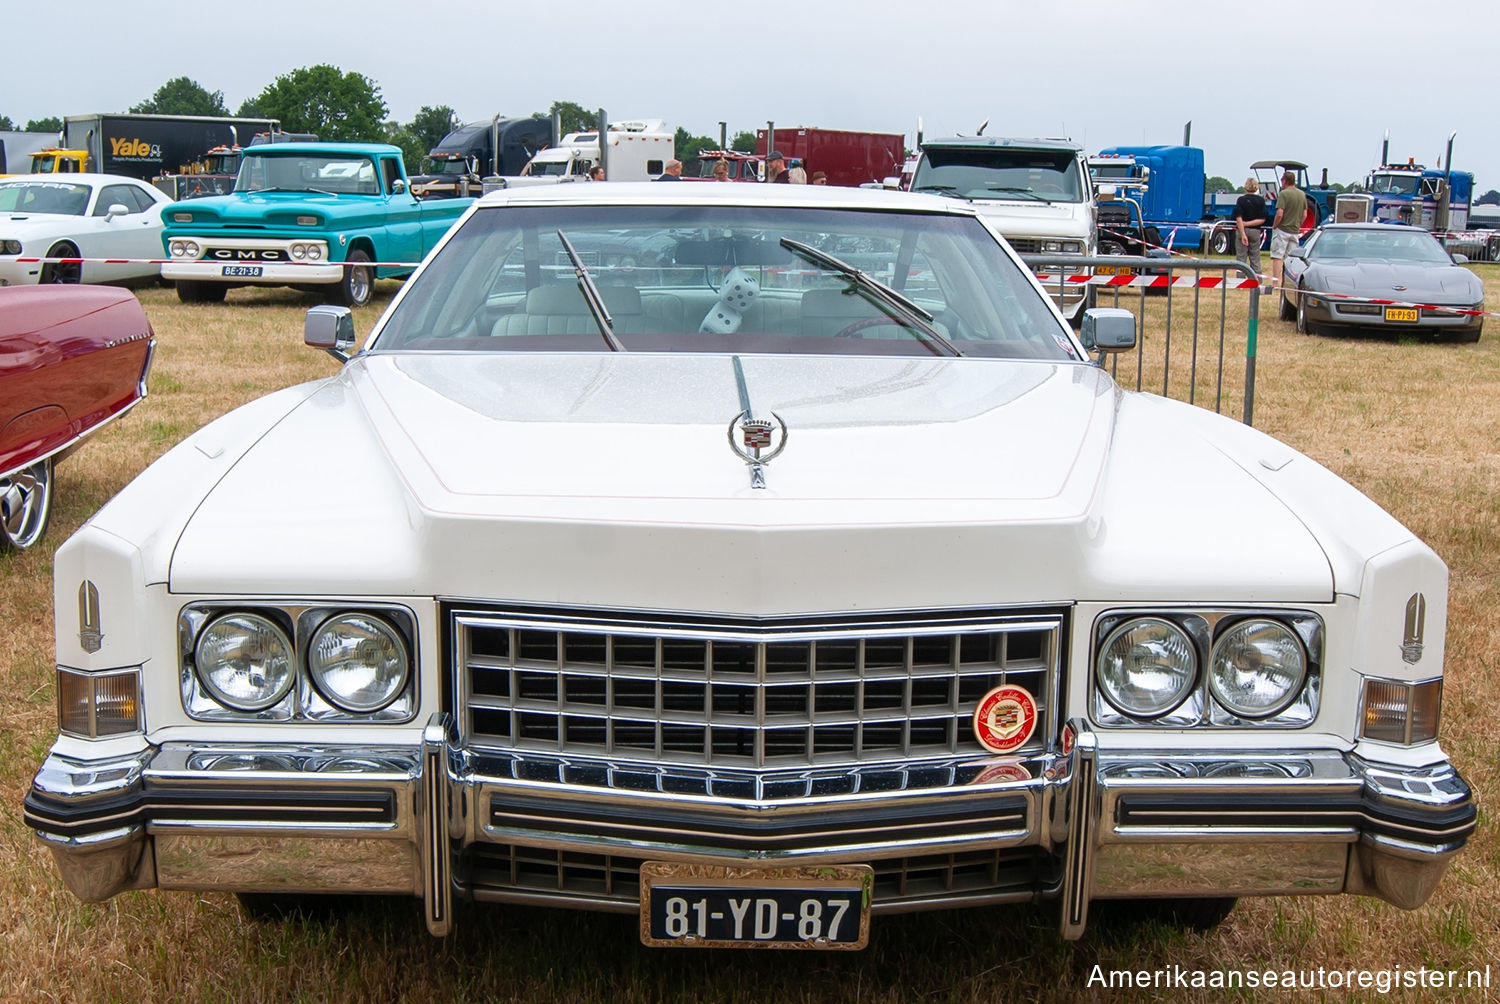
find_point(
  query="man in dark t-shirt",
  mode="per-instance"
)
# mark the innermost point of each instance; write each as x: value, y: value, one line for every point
x: 1249, y: 216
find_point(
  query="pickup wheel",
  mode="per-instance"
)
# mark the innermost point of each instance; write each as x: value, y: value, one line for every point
x: 25, y: 506
x: 1221, y: 241
x: 191, y: 291
x: 60, y: 272
x: 358, y: 283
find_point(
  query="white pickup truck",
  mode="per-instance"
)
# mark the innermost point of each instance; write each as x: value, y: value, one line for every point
x: 1036, y: 192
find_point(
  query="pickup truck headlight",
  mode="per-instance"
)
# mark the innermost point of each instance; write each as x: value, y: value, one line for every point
x: 358, y: 662
x: 1257, y: 668
x: 1146, y: 667
x: 245, y: 661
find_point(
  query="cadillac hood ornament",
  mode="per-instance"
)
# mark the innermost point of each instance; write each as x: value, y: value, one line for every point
x: 751, y: 439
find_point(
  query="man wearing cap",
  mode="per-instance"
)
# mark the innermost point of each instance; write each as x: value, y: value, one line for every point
x: 776, y: 168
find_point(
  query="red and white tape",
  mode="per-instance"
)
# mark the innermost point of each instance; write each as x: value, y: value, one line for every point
x: 1152, y: 281
x: 200, y: 261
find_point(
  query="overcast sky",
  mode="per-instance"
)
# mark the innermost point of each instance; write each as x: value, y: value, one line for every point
x: 1102, y: 73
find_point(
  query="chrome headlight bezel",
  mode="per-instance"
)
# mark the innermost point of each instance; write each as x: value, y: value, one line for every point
x: 303, y: 702
x: 1202, y: 708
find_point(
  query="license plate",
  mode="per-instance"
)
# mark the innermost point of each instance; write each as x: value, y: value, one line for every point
x: 1114, y: 270
x: 1400, y: 314
x: 250, y: 271
x: 709, y: 906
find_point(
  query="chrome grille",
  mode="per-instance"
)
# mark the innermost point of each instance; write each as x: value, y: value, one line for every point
x: 513, y: 872
x: 744, y: 694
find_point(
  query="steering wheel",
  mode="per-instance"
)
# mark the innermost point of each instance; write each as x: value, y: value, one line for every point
x: 850, y: 330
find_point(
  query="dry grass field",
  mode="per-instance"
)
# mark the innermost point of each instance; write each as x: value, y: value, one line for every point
x: 1414, y: 425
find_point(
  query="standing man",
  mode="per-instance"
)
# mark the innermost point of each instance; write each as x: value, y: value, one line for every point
x: 776, y: 168
x: 673, y: 171
x: 1249, y: 217
x: 1291, y: 206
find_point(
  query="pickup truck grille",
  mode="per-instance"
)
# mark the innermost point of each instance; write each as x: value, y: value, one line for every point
x: 745, y: 694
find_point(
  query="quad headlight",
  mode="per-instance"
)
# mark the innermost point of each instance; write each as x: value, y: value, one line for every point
x: 10, y: 247
x: 1146, y: 667
x: 183, y: 249
x: 1257, y: 668
x: 358, y: 662
x: 245, y: 661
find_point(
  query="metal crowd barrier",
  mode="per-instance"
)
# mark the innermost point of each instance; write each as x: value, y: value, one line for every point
x: 1161, y: 330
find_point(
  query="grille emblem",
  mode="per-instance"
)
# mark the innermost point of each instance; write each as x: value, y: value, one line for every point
x: 1416, y: 627
x: 89, y: 635
x: 757, y: 435
x: 1005, y: 718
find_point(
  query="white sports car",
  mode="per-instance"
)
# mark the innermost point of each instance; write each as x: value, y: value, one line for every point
x: 803, y: 569
x: 78, y: 216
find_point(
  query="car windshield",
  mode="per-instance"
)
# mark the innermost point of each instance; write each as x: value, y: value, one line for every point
x: 51, y: 197
x: 1000, y: 173
x: 726, y: 279
x: 1393, y: 244
x: 308, y: 172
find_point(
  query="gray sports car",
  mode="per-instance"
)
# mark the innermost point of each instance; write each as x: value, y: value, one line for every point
x: 1392, y: 277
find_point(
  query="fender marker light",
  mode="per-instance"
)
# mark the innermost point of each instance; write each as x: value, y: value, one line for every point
x: 1005, y: 718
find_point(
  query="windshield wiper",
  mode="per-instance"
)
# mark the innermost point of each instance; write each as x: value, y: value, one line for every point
x: 591, y: 296
x: 1019, y: 191
x: 943, y: 190
x: 907, y: 311
x: 315, y: 191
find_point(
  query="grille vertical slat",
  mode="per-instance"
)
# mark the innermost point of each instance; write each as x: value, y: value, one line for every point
x: 761, y: 696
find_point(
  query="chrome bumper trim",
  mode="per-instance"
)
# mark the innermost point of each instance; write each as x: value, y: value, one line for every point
x: 420, y: 819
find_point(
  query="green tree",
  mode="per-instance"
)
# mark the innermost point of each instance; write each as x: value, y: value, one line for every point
x: 412, y: 147
x: 743, y: 142
x: 575, y: 118
x: 686, y: 146
x: 1490, y: 198
x: 181, y: 96
x: 44, y: 125
x: 431, y: 125
x: 5, y: 124
x: 1218, y: 184
x: 325, y: 101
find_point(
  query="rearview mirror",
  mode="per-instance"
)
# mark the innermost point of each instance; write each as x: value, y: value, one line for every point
x: 116, y: 209
x: 398, y: 186
x: 1106, y: 192
x: 331, y: 329
x: 1107, y: 329
x: 1296, y: 251
x: 1460, y: 259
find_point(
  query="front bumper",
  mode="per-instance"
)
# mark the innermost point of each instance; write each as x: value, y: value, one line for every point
x: 271, y: 274
x: 1321, y: 310
x: 439, y: 821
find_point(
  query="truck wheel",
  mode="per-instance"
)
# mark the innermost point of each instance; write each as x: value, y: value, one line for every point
x: 1220, y: 242
x: 58, y: 272
x: 190, y: 291
x: 1492, y: 250
x: 1153, y: 237
x: 358, y: 283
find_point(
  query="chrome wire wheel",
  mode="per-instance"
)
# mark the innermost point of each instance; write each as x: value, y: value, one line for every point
x: 25, y: 506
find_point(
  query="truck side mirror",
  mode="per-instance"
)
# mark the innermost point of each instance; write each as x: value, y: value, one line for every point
x: 331, y: 329
x: 398, y: 186
x: 1106, y: 192
x: 1105, y: 329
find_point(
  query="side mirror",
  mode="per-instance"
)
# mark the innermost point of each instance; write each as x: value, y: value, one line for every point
x: 1106, y: 192
x: 1460, y: 259
x: 331, y: 329
x: 1296, y: 251
x: 398, y: 186
x: 1105, y: 329
x: 115, y: 209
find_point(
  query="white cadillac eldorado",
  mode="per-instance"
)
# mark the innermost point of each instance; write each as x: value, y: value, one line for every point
x: 753, y: 560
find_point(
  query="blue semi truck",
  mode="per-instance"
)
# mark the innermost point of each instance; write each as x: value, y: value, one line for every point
x: 1163, y: 198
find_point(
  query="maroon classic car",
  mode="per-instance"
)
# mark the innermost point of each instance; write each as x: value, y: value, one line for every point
x: 71, y: 359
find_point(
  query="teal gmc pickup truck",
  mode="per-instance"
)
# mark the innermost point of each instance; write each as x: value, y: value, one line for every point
x: 322, y: 217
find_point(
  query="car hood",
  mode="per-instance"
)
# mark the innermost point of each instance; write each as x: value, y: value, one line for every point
x: 1022, y: 218
x: 612, y: 480
x: 1378, y: 279
x: 31, y: 222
